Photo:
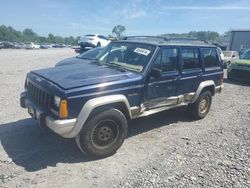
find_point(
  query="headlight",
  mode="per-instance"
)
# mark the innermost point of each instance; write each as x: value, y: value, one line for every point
x: 57, y: 101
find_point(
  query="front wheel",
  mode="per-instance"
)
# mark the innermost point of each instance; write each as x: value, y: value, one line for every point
x: 202, y: 105
x: 103, y: 134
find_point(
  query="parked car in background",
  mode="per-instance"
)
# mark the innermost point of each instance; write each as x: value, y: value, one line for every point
x: 8, y: 44
x: 230, y: 56
x: 93, y: 40
x: 58, y: 45
x: 31, y: 45
x: 44, y: 46
x: 84, y: 57
x: 240, y: 69
x: 1, y: 45
x: 93, y: 102
x: 20, y: 46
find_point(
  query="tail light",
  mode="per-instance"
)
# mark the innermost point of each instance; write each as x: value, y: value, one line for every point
x: 221, y: 79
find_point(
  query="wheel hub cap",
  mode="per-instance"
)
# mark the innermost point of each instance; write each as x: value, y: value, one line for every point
x: 105, y: 134
x: 204, y: 104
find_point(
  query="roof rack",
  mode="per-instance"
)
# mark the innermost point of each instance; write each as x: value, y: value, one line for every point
x: 153, y: 38
x: 189, y: 40
x: 164, y: 39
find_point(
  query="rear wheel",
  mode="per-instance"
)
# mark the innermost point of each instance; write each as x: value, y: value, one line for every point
x: 103, y: 134
x: 202, y: 105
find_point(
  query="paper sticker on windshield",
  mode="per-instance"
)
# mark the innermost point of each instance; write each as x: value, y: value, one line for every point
x: 142, y: 51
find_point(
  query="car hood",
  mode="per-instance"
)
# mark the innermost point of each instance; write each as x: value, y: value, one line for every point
x: 71, y: 61
x: 84, y: 74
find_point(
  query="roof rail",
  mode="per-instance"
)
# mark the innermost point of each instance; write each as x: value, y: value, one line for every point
x: 189, y: 40
x: 145, y: 38
x: 164, y: 39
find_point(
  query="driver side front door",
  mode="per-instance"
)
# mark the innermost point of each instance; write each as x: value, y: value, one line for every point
x: 161, y: 91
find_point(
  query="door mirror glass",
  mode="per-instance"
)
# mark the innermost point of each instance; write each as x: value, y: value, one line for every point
x: 233, y: 55
x: 156, y: 73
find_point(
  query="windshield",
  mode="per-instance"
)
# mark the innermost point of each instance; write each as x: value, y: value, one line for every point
x: 246, y: 55
x: 129, y: 56
x: 227, y: 53
x: 90, y: 54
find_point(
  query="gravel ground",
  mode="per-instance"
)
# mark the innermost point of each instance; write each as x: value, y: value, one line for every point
x: 164, y: 150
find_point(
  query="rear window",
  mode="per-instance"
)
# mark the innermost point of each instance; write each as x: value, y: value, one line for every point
x: 210, y: 57
x: 89, y: 35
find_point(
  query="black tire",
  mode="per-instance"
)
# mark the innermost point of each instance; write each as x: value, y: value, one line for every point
x: 98, y: 44
x: 200, y: 108
x: 103, y: 134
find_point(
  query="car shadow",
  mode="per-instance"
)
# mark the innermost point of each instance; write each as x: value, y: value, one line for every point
x: 29, y: 147
x: 165, y: 118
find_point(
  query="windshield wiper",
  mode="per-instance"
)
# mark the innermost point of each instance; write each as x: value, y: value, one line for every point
x: 83, y: 58
x: 119, y: 67
x: 97, y: 61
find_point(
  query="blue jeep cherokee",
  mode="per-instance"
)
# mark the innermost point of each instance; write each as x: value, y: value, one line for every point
x: 134, y: 77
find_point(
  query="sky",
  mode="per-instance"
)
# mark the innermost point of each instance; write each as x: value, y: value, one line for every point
x: 140, y: 17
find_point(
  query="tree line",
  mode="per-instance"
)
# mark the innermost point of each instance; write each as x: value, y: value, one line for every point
x: 28, y: 35
x: 210, y: 36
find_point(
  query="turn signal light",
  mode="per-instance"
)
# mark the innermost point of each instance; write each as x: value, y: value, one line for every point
x: 63, y: 112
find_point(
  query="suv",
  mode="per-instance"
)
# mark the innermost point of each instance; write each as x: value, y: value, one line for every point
x: 134, y: 77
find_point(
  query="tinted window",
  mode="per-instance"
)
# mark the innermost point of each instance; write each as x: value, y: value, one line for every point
x: 90, y: 54
x: 167, y: 60
x: 210, y: 57
x: 90, y: 35
x: 190, y: 58
x: 102, y: 37
x: 246, y: 55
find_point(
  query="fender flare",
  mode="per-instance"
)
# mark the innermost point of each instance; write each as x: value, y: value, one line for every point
x: 92, y: 104
x: 201, y: 87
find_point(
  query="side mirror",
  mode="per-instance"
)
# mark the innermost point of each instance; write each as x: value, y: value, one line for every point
x: 156, y: 73
x: 233, y: 55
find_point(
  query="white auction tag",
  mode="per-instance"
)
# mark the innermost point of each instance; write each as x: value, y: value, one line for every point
x: 142, y: 51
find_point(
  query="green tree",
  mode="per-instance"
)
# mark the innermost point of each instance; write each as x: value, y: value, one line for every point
x: 51, y: 38
x: 118, y: 30
x: 29, y: 35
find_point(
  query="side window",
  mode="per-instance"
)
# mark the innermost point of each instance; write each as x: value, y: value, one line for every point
x: 190, y: 58
x: 102, y: 37
x: 167, y: 60
x: 210, y: 57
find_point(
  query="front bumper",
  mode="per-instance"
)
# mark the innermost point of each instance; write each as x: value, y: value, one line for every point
x: 60, y: 127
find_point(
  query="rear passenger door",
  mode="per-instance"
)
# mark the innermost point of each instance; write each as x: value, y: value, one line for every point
x: 212, y: 65
x: 191, y: 70
x: 161, y: 91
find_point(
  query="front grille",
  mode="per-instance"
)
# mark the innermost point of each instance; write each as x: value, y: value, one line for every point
x: 241, y: 74
x: 40, y: 97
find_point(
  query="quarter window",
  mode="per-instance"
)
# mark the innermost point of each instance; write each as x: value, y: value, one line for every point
x: 167, y: 60
x: 210, y: 57
x: 190, y: 58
